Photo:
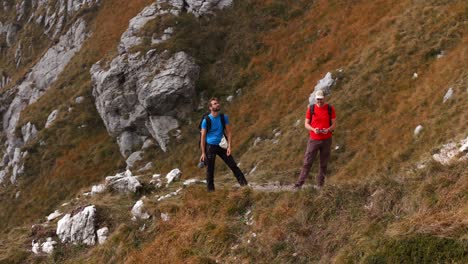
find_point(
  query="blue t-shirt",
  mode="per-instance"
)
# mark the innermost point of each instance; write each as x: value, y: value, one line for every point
x: 214, y: 136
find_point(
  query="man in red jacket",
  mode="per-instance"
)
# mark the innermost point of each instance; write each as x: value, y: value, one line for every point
x: 320, y: 122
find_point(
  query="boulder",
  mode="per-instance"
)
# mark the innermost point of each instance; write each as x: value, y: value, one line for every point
x: 48, y: 246
x: 165, y: 217
x: 53, y: 215
x: 79, y: 100
x: 102, y: 235
x: 78, y: 229
x: 418, y: 130
x: 139, y: 211
x: 135, y: 107
x: 123, y: 182
x: 51, y: 118
x: 36, y: 247
x: 133, y: 158
x: 173, y: 175
x: 448, y: 95
x: 96, y: 189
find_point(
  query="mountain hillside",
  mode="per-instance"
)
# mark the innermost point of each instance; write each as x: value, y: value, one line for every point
x: 100, y: 102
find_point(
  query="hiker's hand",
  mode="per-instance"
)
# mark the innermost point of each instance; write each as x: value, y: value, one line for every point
x: 203, y: 158
x: 228, y: 151
x: 314, y: 130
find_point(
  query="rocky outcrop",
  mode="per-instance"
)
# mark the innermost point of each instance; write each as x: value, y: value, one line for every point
x: 141, y: 97
x: 4, y: 79
x: 36, y: 83
x: 53, y: 16
x: 79, y: 228
x: 325, y: 85
x: 130, y: 38
x: 202, y: 7
x: 9, y: 31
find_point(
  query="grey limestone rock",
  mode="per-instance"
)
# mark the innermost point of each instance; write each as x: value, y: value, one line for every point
x: 41, y: 76
x: 123, y: 182
x: 51, y: 118
x: 79, y: 228
x: 202, y: 7
x: 136, y: 94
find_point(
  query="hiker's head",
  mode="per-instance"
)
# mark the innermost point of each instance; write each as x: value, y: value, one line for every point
x: 214, y: 105
x: 320, y: 98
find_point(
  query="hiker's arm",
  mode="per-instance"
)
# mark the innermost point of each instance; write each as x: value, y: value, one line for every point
x: 203, y: 144
x: 308, y: 126
x: 229, y: 138
x: 333, y: 126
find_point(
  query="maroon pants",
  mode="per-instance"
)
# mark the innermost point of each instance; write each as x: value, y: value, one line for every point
x: 313, y: 147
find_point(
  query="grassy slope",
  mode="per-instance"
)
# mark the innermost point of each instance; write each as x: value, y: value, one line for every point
x: 275, y: 51
x: 379, y: 105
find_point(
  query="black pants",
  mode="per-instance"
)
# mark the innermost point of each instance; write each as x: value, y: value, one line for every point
x: 211, y: 152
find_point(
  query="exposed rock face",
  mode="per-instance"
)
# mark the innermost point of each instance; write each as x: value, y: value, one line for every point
x: 123, y: 182
x: 4, y: 79
x: 201, y: 7
x: 53, y: 16
x: 46, y: 71
x: 130, y: 37
x: 140, y: 97
x: 325, y: 85
x: 29, y: 132
x: 9, y: 31
x: 79, y: 229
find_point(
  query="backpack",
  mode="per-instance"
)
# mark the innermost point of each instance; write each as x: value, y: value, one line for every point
x: 312, y: 109
x: 208, y: 124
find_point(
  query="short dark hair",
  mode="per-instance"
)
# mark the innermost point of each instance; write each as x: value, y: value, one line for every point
x: 212, y: 99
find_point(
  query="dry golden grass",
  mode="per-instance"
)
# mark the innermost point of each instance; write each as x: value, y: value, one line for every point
x: 378, y: 106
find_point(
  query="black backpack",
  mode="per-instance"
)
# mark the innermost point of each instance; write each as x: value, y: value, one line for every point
x: 312, y: 109
x: 208, y: 124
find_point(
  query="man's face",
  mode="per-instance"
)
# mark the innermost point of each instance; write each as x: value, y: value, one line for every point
x: 215, y: 106
x: 320, y: 102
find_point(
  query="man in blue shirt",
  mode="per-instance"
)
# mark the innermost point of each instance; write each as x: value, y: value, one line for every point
x: 211, y: 136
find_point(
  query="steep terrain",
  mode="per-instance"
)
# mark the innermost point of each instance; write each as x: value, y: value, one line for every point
x: 94, y: 88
